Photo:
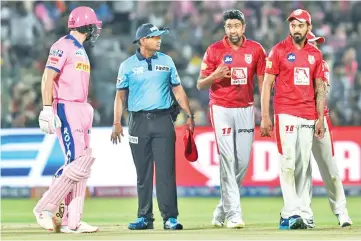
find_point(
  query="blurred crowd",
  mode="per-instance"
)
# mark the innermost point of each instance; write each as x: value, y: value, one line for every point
x: 29, y: 28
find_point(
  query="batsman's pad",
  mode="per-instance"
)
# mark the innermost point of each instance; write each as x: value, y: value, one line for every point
x: 79, y: 169
x: 59, y: 213
x: 74, y: 172
x: 75, y: 208
x: 58, y: 216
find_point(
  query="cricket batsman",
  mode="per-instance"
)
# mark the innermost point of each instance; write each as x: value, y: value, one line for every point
x: 65, y: 85
x: 299, y: 112
x: 323, y: 152
x: 228, y: 70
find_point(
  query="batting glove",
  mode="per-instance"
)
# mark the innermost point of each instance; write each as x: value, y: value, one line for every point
x: 48, y: 120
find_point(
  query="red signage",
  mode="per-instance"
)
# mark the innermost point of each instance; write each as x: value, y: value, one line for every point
x: 264, y: 165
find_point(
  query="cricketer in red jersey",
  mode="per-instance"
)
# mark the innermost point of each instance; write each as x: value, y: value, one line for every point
x: 323, y: 152
x: 299, y: 92
x: 228, y: 69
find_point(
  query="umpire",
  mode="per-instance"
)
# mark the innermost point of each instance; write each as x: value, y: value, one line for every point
x: 149, y: 77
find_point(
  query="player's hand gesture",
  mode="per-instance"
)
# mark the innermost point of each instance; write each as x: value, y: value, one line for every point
x: 266, y: 127
x: 319, y: 129
x: 222, y: 71
x: 48, y: 120
x: 116, y: 133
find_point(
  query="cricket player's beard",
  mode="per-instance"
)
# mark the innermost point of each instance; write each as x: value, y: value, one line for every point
x: 234, y: 39
x: 298, y: 38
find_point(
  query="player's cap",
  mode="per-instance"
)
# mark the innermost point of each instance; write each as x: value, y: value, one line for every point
x: 300, y: 15
x: 190, y: 148
x: 312, y: 38
x: 83, y: 16
x: 149, y: 30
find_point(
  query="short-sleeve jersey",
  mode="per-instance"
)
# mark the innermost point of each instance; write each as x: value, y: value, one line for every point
x: 296, y: 71
x: 68, y: 57
x: 245, y: 62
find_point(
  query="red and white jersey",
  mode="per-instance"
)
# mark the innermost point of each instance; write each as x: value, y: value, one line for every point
x: 244, y: 63
x: 296, y: 71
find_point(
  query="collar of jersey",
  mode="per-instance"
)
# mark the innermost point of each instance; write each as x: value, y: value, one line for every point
x: 225, y: 42
x: 141, y: 57
x: 76, y: 42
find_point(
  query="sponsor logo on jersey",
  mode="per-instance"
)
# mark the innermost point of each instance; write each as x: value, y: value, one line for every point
x: 138, y: 70
x: 161, y: 68
x: 56, y: 52
x: 239, y: 76
x: 228, y: 59
x: 245, y: 130
x: 79, y: 52
x: 52, y: 61
x: 301, y: 76
x: 82, y: 66
x: 291, y: 57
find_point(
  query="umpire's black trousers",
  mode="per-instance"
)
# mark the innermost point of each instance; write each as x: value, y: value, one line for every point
x: 152, y: 139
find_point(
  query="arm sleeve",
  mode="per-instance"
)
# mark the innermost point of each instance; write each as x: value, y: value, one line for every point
x: 208, y: 65
x: 57, y: 58
x: 261, y: 64
x: 319, y: 70
x: 272, y: 62
x: 122, y: 79
x: 174, y: 77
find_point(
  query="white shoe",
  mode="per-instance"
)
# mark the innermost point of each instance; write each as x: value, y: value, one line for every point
x: 309, y: 222
x: 344, y: 220
x: 45, y: 220
x: 235, y: 223
x: 218, y: 222
x: 82, y: 228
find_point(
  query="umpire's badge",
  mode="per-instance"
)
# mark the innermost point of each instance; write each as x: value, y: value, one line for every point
x: 311, y: 59
x: 248, y: 58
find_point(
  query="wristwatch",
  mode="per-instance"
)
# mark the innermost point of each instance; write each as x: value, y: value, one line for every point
x: 190, y: 116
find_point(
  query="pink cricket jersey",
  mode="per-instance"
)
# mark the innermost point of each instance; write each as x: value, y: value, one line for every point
x: 68, y: 57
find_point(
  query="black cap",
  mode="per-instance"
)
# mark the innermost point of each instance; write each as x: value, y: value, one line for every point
x: 148, y: 30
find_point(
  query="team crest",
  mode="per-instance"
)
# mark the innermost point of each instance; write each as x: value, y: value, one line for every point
x: 297, y: 12
x: 311, y: 59
x: 248, y: 58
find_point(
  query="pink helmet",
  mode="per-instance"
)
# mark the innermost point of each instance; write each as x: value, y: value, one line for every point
x: 83, y: 16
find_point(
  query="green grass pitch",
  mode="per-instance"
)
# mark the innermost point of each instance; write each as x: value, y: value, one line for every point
x: 261, y: 216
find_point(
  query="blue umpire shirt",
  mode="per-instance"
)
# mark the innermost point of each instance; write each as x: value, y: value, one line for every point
x: 149, y: 81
